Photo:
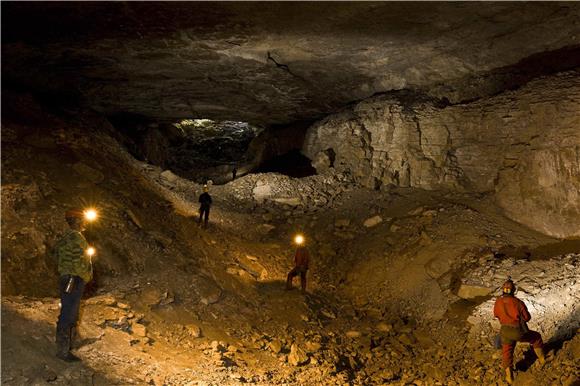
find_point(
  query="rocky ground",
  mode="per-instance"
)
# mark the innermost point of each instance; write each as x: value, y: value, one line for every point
x: 399, y: 293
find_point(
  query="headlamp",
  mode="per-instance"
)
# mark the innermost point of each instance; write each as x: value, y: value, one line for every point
x: 90, y: 214
x: 299, y: 239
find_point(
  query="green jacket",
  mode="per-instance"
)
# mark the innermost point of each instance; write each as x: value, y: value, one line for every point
x: 72, y: 259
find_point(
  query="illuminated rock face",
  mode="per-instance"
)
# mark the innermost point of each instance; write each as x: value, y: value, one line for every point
x: 521, y: 144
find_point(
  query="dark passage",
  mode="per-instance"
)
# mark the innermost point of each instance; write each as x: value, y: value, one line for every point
x: 293, y: 164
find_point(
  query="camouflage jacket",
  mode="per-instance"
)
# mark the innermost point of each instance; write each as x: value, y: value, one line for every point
x: 72, y: 259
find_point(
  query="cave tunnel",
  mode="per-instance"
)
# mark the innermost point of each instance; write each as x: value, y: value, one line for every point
x: 424, y: 152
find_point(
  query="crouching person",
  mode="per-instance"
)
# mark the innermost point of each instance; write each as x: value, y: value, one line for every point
x: 513, y: 316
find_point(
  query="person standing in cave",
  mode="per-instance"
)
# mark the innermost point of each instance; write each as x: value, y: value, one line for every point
x: 234, y: 172
x: 513, y: 316
x: 301, y: 263
x: 205, y: 204
x: 75, y: 270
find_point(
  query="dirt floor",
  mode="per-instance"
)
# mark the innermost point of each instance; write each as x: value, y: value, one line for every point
x: 396, y: 287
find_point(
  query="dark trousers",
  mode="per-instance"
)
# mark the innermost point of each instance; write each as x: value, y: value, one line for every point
x: 70, y: 303
x: 298, y: 270
x: 204, y: 212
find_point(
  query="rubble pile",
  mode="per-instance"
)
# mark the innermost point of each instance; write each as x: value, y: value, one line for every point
x: 550, y: 288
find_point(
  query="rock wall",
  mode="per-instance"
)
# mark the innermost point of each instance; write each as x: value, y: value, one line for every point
x: 522, y: 144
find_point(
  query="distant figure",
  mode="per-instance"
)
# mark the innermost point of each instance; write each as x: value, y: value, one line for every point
x: 75, y: 270
x: 513, y: 316
x: 234, y: 172
x: 205, y: 201
x: 301, y: 261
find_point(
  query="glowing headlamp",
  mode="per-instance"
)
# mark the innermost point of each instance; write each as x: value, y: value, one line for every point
x: 90, y: 251
x: 299, y: 239
x: 90, y: 214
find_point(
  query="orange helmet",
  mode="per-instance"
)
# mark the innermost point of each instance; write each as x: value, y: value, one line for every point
x: 508, y: 288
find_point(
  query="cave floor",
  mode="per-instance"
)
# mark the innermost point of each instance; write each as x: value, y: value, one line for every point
x: 175, y: 304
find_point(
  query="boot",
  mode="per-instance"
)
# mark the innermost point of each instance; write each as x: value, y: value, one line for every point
x: 63, y: 346
x: 509, y: 376
x: 540, y: 354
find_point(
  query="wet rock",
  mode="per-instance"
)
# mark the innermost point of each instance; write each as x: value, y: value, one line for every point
x: 342, y: 223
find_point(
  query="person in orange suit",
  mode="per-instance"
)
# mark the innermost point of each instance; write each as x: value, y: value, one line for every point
x: 513, y: 316
x: 301, y: 262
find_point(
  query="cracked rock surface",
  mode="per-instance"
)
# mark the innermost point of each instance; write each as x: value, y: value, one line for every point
x: 277, y: 62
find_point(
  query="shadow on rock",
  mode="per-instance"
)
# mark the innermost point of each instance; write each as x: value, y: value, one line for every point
x: 28, y: 355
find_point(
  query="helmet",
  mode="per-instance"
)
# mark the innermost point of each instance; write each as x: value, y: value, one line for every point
x: 205, y: 188
x: 508, y: 288
x: 74, y: 213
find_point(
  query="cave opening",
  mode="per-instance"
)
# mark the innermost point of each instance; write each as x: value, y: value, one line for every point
x: 197, y: 149
x: 293, y: 164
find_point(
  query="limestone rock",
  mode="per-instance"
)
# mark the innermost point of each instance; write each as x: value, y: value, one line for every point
x: 437, y: 266
x: 275, y: 346
x: 211, y: 298
x: 89, y: 173
x: 472, y: 291
x: 291, y: 201
x: 139, y: 329
x: 384, y: 327
x: 297, y: 356
x: 261, y: 192
x: 169, y: 176
x: 193, y: 330
x: 353, y: 334
x: 371, y: 222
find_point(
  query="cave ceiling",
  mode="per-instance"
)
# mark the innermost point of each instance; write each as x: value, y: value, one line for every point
x: 267, y: 63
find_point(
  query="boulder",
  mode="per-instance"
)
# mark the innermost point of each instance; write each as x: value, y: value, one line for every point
x: 373, y: 221
x: 467, y: 291
x: 275, y: 346
x: 353, y: 334
x: 169, y: 176
x: 291, y: 201
x: 211, y: 298
x: 297, y: 356
x: 88, y: 172
x: 437, y: 266
x: 193, y: 330
x: 261, y: 192
x: 139, y: 329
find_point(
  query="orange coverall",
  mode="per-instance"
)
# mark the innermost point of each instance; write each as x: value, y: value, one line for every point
x: 511, y: 311
x: 301, y: 261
